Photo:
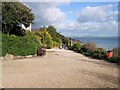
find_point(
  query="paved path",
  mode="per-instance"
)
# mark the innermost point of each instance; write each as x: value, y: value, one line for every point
x: 59, y: 69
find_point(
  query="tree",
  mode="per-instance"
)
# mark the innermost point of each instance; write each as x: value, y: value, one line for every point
x: 44, y: 38
x: 15, y: 14
x: 57, y: 37
x: 53, y: 32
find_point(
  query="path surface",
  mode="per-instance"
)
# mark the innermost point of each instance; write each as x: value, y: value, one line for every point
x: 59, y: 69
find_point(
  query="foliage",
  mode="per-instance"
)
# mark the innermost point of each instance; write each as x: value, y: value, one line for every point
x: 116, y: 51
x: 18, y: 31
x: 116, y: 56
x: 88, y: 47
x: 15, y: 14
x: 56, y: 44
x: 66, y: 41
x: 99, y: 53
x: 116, y: 59
x: 0, y: 43
x: 76, y: 46
x: 57, y: 37
x: 18, y: 45
x: 52, y: 32
x: 44, y: 38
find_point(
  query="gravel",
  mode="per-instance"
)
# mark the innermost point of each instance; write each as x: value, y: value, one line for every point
x: 59, y: 69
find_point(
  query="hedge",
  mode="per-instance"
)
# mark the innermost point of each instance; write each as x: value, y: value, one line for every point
x: 0, y: 43
x: 18, y: 45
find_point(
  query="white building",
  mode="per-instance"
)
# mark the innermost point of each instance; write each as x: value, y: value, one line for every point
x: 26, y: 28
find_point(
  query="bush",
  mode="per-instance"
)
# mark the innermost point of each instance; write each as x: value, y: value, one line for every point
x: 76, y: 46
x: 44, y: 38
x: 66, y: 41
x: 0, y: 43
x: 57, y: 37
x: 116, y: 56
x: 99, y: 53
x: 19, y: 46
x: 88, y: 47
x: 86, y: 53
x: 56, y: 44
x: 49, y: 43
x: 116, y: 51
x: 70, y: 47
x: 114, y: 59
x: 47, y: 39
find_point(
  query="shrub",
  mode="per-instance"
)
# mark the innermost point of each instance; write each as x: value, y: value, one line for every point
x: 49, y: 43
x: 19, y: 46
x: 66, y: 41
x: 99, y: 53
x: 88, y: 47
x: 116, y: 56
x: 114, y: 59
x: 86, y: 53
x: 76, y: 46
x: 56, y: 44
x: 116, y: 51
x: 47, y: 39
x: 0, y: 43
x: 55, y: 35
x: 44, y: 38
x: 70, y: 47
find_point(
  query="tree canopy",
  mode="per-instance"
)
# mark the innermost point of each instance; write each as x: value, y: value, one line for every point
x: 44, y: 37
x: 14, y: 14
x: 57, y: 36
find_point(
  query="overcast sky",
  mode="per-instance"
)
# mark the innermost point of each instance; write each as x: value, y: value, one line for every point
x: 79, y: 19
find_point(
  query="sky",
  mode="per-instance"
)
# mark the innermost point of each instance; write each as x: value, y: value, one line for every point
x: 77, y: 19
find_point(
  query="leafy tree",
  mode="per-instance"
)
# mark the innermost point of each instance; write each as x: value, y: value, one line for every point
x: 15, y: 14
x: 57, y: 37
x: 57, y: 43
x: 54, y: 34
x: 44, y: 38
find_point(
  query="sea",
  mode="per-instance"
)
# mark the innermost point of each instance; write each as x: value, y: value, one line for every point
x: 108, y: 43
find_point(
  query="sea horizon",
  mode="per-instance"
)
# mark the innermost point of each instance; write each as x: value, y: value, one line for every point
x: 108, y: 43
